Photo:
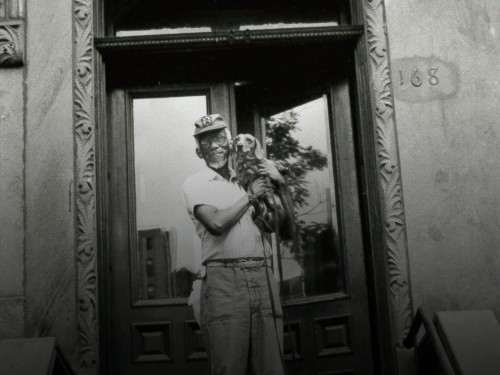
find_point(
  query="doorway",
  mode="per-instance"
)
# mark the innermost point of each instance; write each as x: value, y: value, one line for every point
x: 153, y: 251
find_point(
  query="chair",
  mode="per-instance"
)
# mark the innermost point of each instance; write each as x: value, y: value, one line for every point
x: 461, y: 342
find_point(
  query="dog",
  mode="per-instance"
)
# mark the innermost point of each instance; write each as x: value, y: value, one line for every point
x: 247, y: 155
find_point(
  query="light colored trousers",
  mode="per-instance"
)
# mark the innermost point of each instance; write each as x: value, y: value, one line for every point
x: 237, y: 321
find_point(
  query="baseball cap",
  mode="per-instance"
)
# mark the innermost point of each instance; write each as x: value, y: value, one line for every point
x: 209, y: 123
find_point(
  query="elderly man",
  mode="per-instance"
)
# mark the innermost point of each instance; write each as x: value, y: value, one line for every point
x: 239, y: 294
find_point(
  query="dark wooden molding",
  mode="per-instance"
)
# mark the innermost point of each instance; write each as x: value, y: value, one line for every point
x: 225, y: 39
x: 373, y: 222
x: 103, y: 264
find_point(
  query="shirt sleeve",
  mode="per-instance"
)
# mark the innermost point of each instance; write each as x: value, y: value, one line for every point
x: 195, y: 193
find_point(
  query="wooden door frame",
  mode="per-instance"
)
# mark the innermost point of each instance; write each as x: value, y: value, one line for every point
x: 381, y: 187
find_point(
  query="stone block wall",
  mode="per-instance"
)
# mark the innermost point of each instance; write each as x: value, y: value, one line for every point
x: 50, y: 258
x: 445, y: 60
x: 11, y: 203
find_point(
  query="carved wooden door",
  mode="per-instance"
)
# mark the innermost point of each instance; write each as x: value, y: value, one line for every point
x: 306, y: 124
x: 303, y: 114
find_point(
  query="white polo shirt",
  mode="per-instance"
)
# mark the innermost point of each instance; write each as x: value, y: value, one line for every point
x: 244, y: 238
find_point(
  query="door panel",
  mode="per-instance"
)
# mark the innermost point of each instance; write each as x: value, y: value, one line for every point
x: 325, y: 283
x: 155, y: 254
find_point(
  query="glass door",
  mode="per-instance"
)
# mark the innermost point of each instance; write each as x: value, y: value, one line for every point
x: 302, y: 113
x: 155, y: 253
x: 299, y: 138
x: 307, y: 127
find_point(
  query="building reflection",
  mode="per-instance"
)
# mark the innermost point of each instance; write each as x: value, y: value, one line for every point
x: 157, y: 249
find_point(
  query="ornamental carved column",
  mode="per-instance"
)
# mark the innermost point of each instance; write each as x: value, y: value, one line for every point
x: 11, y: 33
x: 85, y: 195
x: 389, y: 169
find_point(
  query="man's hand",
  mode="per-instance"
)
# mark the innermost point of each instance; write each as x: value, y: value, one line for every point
x: 268, y: 169
x: 258, y: 187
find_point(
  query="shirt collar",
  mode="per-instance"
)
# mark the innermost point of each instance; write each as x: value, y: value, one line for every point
x: 213, y: 175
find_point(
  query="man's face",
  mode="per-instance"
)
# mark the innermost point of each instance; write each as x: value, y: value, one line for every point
x: 214, y: 148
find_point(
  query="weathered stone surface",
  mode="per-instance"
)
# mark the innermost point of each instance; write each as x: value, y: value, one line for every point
x: 50, y: 257
x: 11, y: 318
x: 448, y: 132
x: 11, y: 183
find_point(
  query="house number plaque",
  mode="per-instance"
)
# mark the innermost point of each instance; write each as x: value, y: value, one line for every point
x: 422, y: 79
x: 417, y: 77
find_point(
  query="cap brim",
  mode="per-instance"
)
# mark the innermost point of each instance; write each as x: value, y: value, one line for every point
x: 209, y: 129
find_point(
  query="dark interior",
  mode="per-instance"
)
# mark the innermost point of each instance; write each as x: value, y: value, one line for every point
x: 222, y: 14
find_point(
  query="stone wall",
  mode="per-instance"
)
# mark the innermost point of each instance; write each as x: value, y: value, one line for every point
x: 11, y: 203
x: 445, y: 60
x: 50, y: 257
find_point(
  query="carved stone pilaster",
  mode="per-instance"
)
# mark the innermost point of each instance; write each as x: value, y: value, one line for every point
x: 11, y: 33
x: 11, y: 44
x: 83, y: 107
x: 389, y: 168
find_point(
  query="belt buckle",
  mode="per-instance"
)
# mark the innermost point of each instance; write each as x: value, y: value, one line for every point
x: 249, y: 263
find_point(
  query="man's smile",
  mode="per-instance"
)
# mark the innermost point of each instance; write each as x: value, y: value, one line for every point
x: 215, y: 153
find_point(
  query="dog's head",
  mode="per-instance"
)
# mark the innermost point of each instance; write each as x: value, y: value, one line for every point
x: 246, y: 153
x: 246, y: 148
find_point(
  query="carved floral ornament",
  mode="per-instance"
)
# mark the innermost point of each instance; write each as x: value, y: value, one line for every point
x: 11, y: 48
x: 85, y: 200
x: 389, y: 170
x: 11, y: 33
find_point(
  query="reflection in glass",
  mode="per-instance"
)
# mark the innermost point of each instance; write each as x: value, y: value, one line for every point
x: 218, y: 18
x: 207, y: 29
x: 164, y: 31
x: 168, y: 250
x: 281, y: 25
x: 299, y: 138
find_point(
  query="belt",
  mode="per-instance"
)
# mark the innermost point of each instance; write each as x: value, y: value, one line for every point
x: 244, y: 262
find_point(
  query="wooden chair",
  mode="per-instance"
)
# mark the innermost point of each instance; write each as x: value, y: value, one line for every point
x: 462, y: 342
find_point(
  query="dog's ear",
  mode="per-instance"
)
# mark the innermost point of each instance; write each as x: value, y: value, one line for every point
x: 234, y: 143
x: 233, y: 152
x: 259, y: 152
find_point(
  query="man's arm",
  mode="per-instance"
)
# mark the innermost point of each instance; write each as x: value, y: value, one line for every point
x: 287, y: 226
x: 218, y: 221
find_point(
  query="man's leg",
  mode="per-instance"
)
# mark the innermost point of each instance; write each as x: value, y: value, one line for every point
x: 225, y: 319
x: 267, y: 329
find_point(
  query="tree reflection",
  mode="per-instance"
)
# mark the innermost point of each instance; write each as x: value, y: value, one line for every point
x: 314, y: 247
x: 283, y: 148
